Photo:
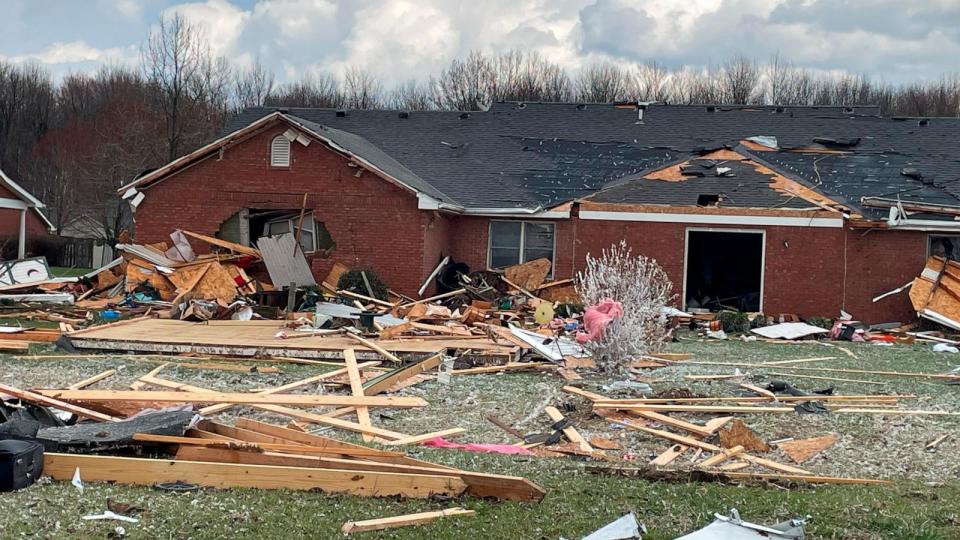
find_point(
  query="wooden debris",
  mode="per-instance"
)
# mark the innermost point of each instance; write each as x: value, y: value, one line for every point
x: 302, y: 400
x: 92, y: 380
x: 834, y: 379
x: 47, y: 401
x: 402, y: 521
x: 571, y: 432
x: 720, y: 457
x: 932, y: 445
x: 510, y: 366
x: 760, y: 391
x: 804, y: 449
x: 738, y: 434
x: 604, y: 444
x: 669, y: 455
x: 139, y: 471
x: 388, y: 380
x: 529, y: 275
x: 356, y: 388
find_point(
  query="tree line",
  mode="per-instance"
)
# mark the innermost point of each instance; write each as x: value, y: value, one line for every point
x: 73, y: 142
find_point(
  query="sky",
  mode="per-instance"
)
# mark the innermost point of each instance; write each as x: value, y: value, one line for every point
x: 400, y: 40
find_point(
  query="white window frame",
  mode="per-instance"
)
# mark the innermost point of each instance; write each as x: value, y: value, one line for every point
x: 763, y: 255
x: 273, y: 152
x: 523, y: 241
x: 309, y: 224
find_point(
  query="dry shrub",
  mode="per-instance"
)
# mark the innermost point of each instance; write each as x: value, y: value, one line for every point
x: 642, y: 286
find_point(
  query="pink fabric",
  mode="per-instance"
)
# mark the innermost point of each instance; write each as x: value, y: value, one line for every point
x: 596, y: 318
x: 440, y: 442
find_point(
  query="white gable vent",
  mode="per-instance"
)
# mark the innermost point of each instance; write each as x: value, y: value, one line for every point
x: 280, y: 152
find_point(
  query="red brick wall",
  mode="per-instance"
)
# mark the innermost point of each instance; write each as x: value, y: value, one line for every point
x: 803, y: 271
x: 470, y: 238
x: 10, y: 218
x: 373, y: 222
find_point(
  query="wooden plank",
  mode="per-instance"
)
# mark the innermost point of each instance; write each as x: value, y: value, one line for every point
x: 669, y: 455
x: 138, y: 471
x: 92, y: 380
x: 571, y: 432
x: 760, y: 391
x: 720, y: 457
x: 744, y: 399
x: 141, y: 382
x: 426, y: 437
x: 333, y: 422
x: 510, y: 366
x: 402, y: 521
x: 922, y: 375
x: 213, y: 409
x: 40, y: 399
x: 374, y: 347
x: 238, y: 248
x: 436, y: 270
x: 303, y: 400
x: 808, y: 478
x: 799, y: 361
x: 241, y: 444
x: 384, y: 382
x: 432, y: 298
x: 356, y: 388
x: 835, y: 379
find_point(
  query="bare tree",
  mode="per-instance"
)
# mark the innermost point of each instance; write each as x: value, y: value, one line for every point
x: 411, y: 96
x: 252, y: 86
x: 651, y: 82
x: 465, y: 84
x: 602, y: 82
x: 740, y: 77
x: 362, y: 89
x: 312, y: 90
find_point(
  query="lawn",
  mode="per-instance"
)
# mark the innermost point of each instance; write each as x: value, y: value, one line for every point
x: 921, y: 505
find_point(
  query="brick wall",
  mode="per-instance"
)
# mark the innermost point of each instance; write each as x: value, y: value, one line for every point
x: 374, y: 223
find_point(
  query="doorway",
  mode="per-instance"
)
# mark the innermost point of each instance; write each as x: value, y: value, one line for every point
x: 723, y: 270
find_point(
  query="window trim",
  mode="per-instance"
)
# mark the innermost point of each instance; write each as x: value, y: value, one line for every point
x: 523, y: 241
x: 273, y: 143
x: 763, y: 256
x: 930, y: 237
x: 307, y: 218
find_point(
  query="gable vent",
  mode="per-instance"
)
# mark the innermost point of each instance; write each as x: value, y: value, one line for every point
x: 280, y: 152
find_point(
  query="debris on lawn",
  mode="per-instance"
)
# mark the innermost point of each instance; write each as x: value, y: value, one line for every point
x: 403, y: 521
x: 625, y: 528
x: 733, y: 528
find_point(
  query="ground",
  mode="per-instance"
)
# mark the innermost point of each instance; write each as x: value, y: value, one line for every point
x: 921, y: 504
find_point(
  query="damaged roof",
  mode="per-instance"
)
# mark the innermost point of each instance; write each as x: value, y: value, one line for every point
x: 537, y: 155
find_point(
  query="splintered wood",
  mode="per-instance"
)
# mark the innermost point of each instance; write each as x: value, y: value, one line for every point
x: 802, y: 450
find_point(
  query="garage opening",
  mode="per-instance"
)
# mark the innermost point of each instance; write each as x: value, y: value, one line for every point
x: 724, y: 270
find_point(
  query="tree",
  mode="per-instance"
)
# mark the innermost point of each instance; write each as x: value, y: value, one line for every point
x: 410, y: 96
x: 465, y: 84
x: 602, y: 82
x: 739, y: 80
x: 312, y: 90
x: 362, y: 89
x: 252, y: 86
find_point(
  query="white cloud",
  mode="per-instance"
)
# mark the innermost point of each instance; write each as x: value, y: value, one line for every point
x: 221, y: 21
x: 76, y: 52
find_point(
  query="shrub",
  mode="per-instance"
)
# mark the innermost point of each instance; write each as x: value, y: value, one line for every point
x: 352, y: 280
x: 734, y: 322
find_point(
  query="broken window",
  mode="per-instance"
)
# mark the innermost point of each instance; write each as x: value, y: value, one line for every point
x: 724, y: 270
x: 516, y: 242
x: 248, y: 225
x: 944, y: 246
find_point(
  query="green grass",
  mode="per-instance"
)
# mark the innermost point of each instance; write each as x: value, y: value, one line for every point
x: 64, y: 271
x: 921, y: 505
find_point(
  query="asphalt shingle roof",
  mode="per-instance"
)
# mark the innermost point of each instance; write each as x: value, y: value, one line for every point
x: 536, y: 155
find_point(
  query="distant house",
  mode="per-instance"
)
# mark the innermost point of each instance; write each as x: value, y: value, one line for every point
x: 804, y: 210
x: 86, y: 227
x: 20, y: 215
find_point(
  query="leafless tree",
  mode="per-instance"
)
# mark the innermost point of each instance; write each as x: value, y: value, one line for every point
x: 740, y: 77
x: 410, y: 96
x: 362, y: 89
x: 602, y: 82
x: 519, y: 76
x: 465, y: 84
x: 320, y: 90
x: 651, y: 82
x: 252, y: 86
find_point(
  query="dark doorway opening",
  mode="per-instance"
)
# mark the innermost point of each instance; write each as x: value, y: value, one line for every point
x: 724, y: 270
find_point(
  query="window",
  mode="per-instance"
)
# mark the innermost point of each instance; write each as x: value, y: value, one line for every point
x: 288, y: 225
x: 944, y: 246
x: 515, y: 242
x: 280, y: 152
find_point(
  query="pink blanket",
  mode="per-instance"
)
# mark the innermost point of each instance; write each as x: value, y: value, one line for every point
x: 596, y: 318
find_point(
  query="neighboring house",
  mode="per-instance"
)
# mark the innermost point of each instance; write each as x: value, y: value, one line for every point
x: 20, y: 215
x: 91, y: 229
x: 805, y: 210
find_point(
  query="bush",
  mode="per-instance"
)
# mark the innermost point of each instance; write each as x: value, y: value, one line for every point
x: 643, y: 288
x: 734, y: 322
x: 352, y: 280
x: 822, y: 322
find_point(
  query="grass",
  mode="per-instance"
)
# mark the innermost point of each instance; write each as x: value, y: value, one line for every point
x: 64, y: 271
x: 921, y: 505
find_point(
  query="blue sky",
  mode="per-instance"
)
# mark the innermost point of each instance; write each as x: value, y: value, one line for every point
x: 399, y: 40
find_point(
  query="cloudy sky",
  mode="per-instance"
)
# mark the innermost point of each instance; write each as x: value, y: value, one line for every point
x: 895, y: 40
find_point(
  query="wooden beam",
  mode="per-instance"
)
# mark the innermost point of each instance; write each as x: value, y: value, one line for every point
x: 382, y: 383
x: 303, y: 400
x: 808, y: 478
x: 239, y: 248
x: 140, y: 383
x: 213, y: 409
x: 333, y: 422
x: 571, y: 432
x: 432, y: 298
x: 799, y: 361
x: 746, y: 399
x: 373, y: 347
x: 426, y: 437
x: 402, y: 521
x: 356, y: 388
x: 242, y: 445
x: 760, y: 391
x: 669, y: 455
x: 40, y: 399
x: 720, y: 457
x: 835, y: 379
x: 138, y: 471
x: 940, y: 376
x: 92, y: 380
x: 509, y: 366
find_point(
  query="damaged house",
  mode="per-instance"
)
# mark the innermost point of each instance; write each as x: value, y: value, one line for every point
x: 804, y: 210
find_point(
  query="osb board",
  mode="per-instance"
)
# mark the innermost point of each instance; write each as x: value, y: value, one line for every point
x: 738, y: 434
x: 705, y: 210
x: 942, y: 301
x: 802, y: 450
x: 528, y: 275
x: 334, y: 276
x: 252, y: 335
x: 216, y: 284
x: 139, y: 272
x: 566, y: 294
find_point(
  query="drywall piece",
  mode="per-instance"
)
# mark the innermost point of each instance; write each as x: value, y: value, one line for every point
x: 793, y: 330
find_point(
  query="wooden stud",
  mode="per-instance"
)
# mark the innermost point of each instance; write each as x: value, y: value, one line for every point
x: 139, y: 471
x: 356, y: 388
x: 381, y: 384
x: 720, y: 457
x: 304, y: 400
x: 47, y: 401
x: 402, y: 521
x: 669, y: 455
x: 92, y: 380
x: 426, y: 437
x: 571, y: 432
x: 373, y: 347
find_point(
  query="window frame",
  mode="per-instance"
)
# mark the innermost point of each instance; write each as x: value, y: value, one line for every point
x: 273, y: 142
x: 292, y: 221
x: 523, y: 241
x: 931, y: 236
